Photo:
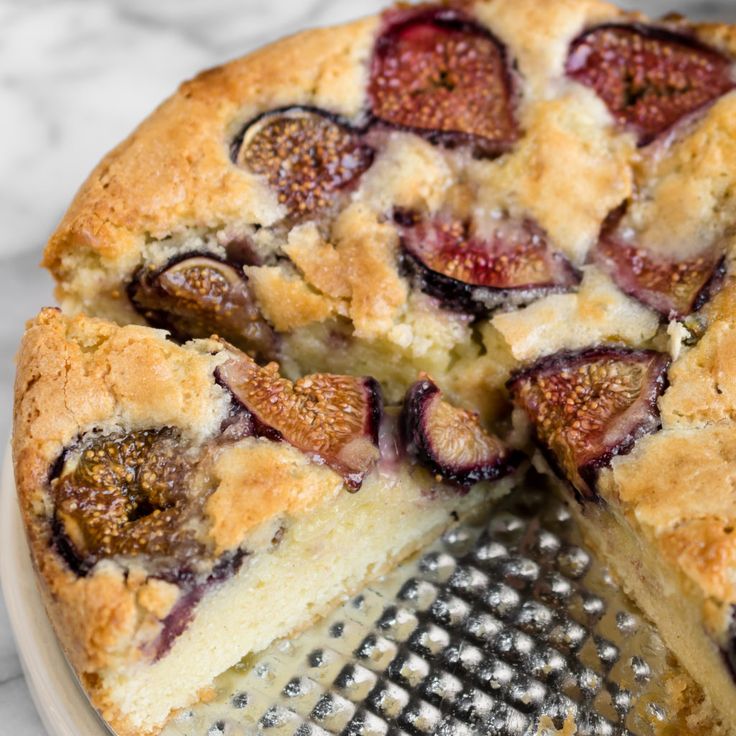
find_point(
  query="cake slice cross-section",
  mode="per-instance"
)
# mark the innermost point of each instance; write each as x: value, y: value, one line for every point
x: 185, y: 506
x: 652, y: 475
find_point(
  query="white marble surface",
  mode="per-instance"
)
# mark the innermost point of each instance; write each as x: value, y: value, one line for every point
x: 75, y: 77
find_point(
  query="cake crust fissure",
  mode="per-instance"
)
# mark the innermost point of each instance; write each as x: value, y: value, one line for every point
x: 466, y: 190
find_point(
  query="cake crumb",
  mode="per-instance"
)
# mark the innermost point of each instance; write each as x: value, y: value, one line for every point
x: 678, y: 334
x: 546, y: 727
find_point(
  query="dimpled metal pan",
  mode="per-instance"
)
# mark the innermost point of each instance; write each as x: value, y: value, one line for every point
x: 508, y: 627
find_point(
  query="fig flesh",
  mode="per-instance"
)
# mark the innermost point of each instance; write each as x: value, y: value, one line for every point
x: 201, y: 295
x: 450, y: 442
x: 333, y: 418
x: 438, y: 73
x: 510, y: 264
x: 648, y: 77
x: 673, y: 288
x: 588, y: 407
x: 127, y: 494
x: 306, y: 155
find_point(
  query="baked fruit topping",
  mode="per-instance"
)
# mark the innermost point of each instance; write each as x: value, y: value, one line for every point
x: 510, y: 263
x: 673, y: 288
x: 306, y: 155
x: 334, y: 418
x: 450, y: 442
x: 648, y: 77
x: 198, y: 295
x: 588, y: 407
x: 124, y: 495
x: 438, y: 73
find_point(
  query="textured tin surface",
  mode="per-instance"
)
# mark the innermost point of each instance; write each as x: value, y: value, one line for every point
x: 507, y: 628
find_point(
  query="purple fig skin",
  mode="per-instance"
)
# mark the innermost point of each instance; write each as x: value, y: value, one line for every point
x: 729, y: 650
x: 374, y: 391
x: 80, y: 565
x: 564, y: 419
x: 479, y: 301
x: 183, y: 611
x: 415, y: 430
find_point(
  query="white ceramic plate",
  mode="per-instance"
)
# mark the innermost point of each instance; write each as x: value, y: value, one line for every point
x: 63, y: 707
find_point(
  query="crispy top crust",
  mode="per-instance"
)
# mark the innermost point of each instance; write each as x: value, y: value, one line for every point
x: 174, y: 172
x: 172, y: 188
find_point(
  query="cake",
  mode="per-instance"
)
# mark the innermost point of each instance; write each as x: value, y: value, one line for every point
x: 185, y: 506
x: 515, y: 217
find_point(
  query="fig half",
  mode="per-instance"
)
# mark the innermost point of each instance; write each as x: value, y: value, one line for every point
x: 124, y: 495
x: 307, y: 156
x: 588, y: 407
x: 673, y: 288
x: 200, y: 295
x: 438, y: 73
x: 510, y: 263
x: 450, y: 442
x: 330, y: 417
x: 648, y: 77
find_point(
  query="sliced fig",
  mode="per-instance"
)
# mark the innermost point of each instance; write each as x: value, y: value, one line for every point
x: 450, y: 442
x: 306, y: 155
x: 673, y: 288
x: 588, y: 407
x: 648, y: 77
x: 201, y: 295
x: 124, y: 495
x: 437, y: 72
x: 511, y: 263
x: 334, y: 418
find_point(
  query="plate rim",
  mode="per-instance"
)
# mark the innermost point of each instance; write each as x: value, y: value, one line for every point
x: 59, y: 699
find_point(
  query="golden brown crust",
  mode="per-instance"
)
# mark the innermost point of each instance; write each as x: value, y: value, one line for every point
x: 174, y: 171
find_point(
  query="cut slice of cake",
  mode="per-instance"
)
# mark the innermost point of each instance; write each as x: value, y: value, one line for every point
x: 526, y: 200
x: 652, y: 468
x: 185, y: 507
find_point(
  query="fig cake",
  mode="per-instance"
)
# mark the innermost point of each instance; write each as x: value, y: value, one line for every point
x: 512, y: 220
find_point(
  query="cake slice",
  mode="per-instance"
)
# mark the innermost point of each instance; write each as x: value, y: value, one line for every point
x: 651, y: 468
x: 185, y: 506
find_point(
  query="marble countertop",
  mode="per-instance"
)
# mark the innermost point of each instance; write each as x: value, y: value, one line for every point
x: 75, y: 77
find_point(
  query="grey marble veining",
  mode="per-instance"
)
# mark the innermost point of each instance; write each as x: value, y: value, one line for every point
x: 75, y: 77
